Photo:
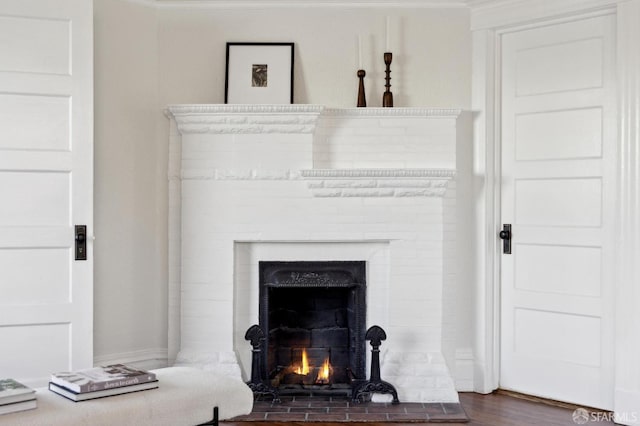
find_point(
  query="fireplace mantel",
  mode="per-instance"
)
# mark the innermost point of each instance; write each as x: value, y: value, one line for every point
x: 319, y: 148
x: 296, y: 118
x: 245, y: 119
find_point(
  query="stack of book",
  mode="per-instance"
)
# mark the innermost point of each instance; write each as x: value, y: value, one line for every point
x: 14, y: 396
x: 100, y: 382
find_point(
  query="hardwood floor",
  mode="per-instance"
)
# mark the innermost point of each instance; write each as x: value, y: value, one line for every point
x: 503, y: 409
x: 497, y: 409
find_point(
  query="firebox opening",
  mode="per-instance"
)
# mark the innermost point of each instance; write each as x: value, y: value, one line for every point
x: 314, y: 316
x: 308, y: 326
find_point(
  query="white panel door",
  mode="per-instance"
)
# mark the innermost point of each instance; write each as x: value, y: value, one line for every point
x: 46, y: 186
x: 558, y: 148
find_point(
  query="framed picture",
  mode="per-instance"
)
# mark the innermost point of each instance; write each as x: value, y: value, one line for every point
x: 259, y: 73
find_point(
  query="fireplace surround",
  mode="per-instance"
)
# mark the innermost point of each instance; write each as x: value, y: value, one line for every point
x: 304, y: 183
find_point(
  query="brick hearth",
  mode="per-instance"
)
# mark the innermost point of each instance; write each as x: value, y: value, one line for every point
x: 340, y: 409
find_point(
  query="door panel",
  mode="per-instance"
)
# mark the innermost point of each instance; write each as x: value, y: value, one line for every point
x: 47, y: 284
x: 557, y: 135
x: 35, y: 198
x: 39, y: 43
x: 569, y: 269
x: 556, y: 336
x: 549, y: 202
x: 40, y: 338
x: 558, y: 147
x: 559, y: 66
x: 32, y: 122
x: 46, y: 186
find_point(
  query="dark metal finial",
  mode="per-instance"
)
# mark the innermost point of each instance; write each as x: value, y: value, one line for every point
x: 375, y: 384
x: 376, y: 335
x: 255, y: 335
x: 258, y: 383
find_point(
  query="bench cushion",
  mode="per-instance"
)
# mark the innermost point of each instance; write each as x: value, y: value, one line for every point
x: 185, y: 396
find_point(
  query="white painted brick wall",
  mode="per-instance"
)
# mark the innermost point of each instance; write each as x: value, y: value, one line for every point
x: 246, y: 197
x: 363, y: 138
x: 418, y: 376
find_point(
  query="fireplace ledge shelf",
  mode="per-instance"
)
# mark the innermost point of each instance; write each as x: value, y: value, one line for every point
x: 378, y: 182
x: 345, y: 182
x: 297, y: 118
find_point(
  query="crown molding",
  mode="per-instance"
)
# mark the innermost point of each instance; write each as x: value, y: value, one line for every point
x: 147, y: 3
x: 493, y: 14
x: 233, y: 4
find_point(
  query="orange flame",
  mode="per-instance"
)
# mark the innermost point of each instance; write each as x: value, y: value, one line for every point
x: 323, y: 374
x: 304, y: 370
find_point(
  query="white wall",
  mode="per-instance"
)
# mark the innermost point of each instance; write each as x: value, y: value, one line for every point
x: 431, y: 65
x: 148, y: 58
x: 130, y: 248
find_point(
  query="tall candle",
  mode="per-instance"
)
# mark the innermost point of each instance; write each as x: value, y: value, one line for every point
x: 359, y: 52
x: 388, y: 34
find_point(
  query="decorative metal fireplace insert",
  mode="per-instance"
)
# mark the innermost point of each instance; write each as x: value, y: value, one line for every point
x: 313, y: 315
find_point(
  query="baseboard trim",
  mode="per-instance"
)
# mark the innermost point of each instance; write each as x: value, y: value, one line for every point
x: 547, y: 401
x: 627, y: 407
x: 145, y: 358
x: 463, y: 374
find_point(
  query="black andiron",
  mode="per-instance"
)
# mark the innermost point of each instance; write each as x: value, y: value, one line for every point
x: 258, y: 383
x: 375, y: 385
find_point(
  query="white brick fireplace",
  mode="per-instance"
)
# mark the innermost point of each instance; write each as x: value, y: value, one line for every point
x: 307, y: 183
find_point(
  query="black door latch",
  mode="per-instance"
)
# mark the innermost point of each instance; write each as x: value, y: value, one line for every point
x: 81, y: 242
x: 505, y: 234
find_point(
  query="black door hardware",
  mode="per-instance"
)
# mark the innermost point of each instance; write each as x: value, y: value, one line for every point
x: 81, y: 242
x: 505, y: 234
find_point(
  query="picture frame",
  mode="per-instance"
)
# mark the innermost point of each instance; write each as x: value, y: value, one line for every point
x: 259, y: 73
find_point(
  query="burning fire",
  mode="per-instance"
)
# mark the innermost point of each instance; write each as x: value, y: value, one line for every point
x: 323, y: 372
x: 304, y: 369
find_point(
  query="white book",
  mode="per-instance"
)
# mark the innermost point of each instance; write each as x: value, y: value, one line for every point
x: 99, y: 378
x: 18, y: 406
x: 13, y: 391
x: 84, y: 396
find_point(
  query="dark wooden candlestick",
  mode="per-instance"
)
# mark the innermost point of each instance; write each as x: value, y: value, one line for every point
x: 362, y: 100
x: 387, y: 96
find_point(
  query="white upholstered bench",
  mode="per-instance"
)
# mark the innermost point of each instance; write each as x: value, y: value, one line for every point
x: 185, y: 396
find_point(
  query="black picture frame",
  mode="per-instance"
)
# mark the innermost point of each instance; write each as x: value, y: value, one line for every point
x: 259, y: 73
